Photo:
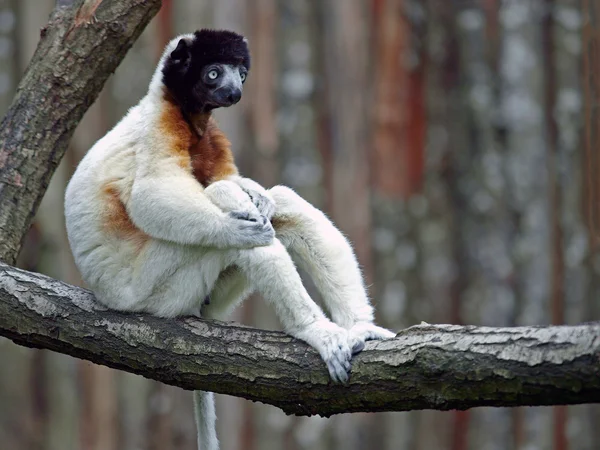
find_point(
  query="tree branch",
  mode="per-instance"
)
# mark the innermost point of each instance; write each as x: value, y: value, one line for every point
x: 83, y: 43
x: 425, y: 367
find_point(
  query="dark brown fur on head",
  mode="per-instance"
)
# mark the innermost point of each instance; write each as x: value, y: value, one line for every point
x: 182, y: 71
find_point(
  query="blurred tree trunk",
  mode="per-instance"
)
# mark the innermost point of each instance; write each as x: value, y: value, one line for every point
x: 580, y: 430
x: 9, y: 67
x: 345, y: 44
x: 397, y: 72
x: 553, y: 58
x: 483, y: 220
x: 16, y: 425
x: 413, y: 213
x: 159, y: 425
x: 298, y: 157
x: 98, y: 406
x: 133, y: 393
x: 344, y: 67
x: 298, y: 96
x: 527, y: 83
x: 586, y: 243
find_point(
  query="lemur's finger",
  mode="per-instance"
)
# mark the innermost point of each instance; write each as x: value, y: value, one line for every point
x: 337, y: 372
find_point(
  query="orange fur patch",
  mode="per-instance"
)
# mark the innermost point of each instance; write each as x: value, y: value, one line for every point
x: 205, y: 152
x: 212, y: 159
x: 117, y: 221
x: 175, y: 127
x: 283, y: 223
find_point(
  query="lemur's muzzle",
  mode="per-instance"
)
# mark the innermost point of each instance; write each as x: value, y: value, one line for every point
x: 228, y: 96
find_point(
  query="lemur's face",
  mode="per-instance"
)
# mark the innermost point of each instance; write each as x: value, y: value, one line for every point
x: 207, y: 71
x: 221, y: 84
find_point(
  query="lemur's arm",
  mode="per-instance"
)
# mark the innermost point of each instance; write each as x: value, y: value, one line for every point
x: 229, y: 196
x: 258, y: 194
x: 177, y: 209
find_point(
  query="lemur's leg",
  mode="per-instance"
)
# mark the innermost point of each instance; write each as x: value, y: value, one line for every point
x: 321, y: 249
x: 271, y: 272
x: 173, y: 279
x: 232, y: 286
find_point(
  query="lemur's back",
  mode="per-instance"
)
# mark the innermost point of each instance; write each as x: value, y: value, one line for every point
x: 98, y: 227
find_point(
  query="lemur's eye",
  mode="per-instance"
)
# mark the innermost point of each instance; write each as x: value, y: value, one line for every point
x: 213, y: 75
x: 243, y: 77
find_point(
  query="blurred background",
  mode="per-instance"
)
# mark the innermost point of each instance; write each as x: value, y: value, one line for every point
x: 454, y: 141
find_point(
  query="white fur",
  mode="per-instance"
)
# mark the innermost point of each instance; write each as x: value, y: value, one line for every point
x: 215, y: 241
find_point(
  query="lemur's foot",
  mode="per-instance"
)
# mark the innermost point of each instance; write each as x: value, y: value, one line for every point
x: 366, y: 331
x: 331, y: 341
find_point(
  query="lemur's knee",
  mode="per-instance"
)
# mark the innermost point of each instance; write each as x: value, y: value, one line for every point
x: 272, y: 254
x: 293, y: 214
x: 287, y: 201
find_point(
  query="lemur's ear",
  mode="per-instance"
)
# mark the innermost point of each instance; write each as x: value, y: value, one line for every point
x: 181, y: 54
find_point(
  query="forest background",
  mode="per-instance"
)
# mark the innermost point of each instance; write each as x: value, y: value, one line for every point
x: 451, y: 140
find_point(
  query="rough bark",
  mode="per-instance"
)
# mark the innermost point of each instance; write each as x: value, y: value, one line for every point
x: 81, y: 46
x: 425, y: 367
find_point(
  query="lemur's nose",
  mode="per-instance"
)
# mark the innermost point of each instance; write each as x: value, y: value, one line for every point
x: 235, y: 96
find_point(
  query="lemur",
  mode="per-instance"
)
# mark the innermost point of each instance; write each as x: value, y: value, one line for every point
x: 160, y: 221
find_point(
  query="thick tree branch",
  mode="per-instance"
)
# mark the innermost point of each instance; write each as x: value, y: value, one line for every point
x: 83, y: 43
x: 425, y: 367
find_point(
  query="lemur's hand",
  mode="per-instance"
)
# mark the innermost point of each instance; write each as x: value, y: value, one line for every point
x: 249, y: 229
x: 229, y: 196
x: 263, y: 202
x: 261, y: 198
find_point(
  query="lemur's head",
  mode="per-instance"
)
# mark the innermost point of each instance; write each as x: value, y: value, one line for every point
x: 206, y: 70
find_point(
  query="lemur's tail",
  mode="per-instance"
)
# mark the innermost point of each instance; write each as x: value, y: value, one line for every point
x: 204, y: 410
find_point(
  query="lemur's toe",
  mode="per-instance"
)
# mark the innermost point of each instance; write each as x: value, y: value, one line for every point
x: 367, y: 331
x: 358, y: 347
